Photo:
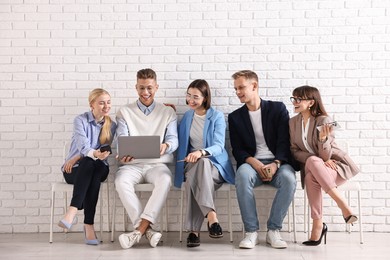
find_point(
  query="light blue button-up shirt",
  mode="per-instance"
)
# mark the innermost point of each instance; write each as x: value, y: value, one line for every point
x: 85, y: 136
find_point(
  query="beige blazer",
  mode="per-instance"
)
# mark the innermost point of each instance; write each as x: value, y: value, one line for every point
x: 346, y: 168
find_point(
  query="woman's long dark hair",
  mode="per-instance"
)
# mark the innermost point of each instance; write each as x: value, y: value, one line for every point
x: 308, y: 92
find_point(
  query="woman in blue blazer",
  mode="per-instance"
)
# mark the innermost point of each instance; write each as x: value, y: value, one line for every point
x: 203, y: 162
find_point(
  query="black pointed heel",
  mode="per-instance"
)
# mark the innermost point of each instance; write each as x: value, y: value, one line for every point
x: 350, y: 219
x: 317, y: 242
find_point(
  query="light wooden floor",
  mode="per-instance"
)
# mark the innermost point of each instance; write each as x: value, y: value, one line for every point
x: 340, y: 245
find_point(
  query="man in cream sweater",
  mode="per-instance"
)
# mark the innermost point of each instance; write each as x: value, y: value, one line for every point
x: 145, y: 117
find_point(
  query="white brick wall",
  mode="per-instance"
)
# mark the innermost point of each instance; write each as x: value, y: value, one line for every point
x: 53, y: 52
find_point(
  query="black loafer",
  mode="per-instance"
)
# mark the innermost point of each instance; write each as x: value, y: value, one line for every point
x: 193, y: 240
x: 215, y: 230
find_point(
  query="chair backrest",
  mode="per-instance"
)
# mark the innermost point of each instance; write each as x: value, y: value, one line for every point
x: 65, y: 151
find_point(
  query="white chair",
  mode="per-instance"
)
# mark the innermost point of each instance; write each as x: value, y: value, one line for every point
x: 271, y: 188
x: 68, y: 188
x: 148, y: 187
x: 224, y: 187
x: 347, y: 187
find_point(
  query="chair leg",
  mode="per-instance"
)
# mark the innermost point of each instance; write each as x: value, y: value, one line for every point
x: 108, y: 207
x: 348, y: 227
x: 360, y: 217
x: 101, y: 215
x: 51, y: 216
x: 162, y: 220
x: 304, y: 212
x: 181, y: 216
x: 166, y: 219
x: 230, y: 215
x: 65, y: 206
x: 294, y: 223
x: 288, y: 220
x: 113, y: 218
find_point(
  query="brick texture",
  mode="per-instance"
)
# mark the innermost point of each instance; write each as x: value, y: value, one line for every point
x: 52, y: 53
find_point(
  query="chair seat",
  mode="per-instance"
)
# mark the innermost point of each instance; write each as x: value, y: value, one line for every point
x: 61, y: 186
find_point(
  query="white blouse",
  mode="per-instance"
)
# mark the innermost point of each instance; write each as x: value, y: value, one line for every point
x: 304, y: 136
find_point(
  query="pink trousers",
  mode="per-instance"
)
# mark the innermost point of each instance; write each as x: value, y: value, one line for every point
x: 319, y: 177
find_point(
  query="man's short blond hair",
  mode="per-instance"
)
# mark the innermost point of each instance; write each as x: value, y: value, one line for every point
x: 247, y: 74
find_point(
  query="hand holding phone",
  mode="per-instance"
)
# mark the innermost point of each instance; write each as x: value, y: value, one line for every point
x: 105, y: 148
x: 334, y: 125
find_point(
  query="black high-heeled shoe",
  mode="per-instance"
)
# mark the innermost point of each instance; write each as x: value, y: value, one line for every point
x: 317, y: 242
x: 350, y: 219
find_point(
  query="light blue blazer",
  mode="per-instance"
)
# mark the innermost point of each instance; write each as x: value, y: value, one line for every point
x: 213, y: 142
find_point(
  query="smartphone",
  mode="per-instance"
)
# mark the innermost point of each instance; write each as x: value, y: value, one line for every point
x: 105, y: 148
x: 334, y: 124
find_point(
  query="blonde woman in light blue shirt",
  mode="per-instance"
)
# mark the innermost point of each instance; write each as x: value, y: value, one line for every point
x: 86, y: 165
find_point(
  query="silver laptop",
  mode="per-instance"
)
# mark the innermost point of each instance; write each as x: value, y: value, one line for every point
x: 139, y: 147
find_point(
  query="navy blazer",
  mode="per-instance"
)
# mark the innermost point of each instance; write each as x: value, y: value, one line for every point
x: 274, y: 119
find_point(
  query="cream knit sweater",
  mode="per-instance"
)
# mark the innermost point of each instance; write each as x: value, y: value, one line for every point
x: 153, y: 124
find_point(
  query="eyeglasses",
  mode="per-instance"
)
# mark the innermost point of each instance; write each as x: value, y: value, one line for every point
x: 298, y: 99
x: 193, y: 97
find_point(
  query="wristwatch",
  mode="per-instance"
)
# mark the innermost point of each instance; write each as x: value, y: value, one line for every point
x: 277, y: 163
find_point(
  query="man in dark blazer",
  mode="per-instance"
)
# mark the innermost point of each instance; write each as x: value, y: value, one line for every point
x: 259, y: 136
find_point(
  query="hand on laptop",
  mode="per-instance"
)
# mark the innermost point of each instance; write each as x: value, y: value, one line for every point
x: 125, y: 159
x: 163, y: 148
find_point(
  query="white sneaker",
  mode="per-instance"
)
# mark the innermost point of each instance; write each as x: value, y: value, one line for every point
x: 153, y: 237
x: 275, y: 240
x: 129, y: 239
x: 250, y: 240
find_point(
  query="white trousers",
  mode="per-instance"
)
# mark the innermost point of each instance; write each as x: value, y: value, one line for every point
x: 129, y: 175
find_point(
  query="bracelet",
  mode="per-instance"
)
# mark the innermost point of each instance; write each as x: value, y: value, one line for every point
x: 203, y: 152
x: 277, y: 163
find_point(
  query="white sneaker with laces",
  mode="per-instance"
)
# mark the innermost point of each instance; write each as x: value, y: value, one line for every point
x: 275, y: 240
x: 250, y: 240
x: 153, y: 237
x: 129, y: 239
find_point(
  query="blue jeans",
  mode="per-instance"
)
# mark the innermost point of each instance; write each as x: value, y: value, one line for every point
x: 247, y: 179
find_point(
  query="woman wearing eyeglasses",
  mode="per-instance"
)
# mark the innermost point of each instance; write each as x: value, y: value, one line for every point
x: 324, y: 166
x: 203, y: 162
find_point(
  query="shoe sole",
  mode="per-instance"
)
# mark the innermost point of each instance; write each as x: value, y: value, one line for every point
x: 155, y: 239
x: 246, y: 247
x: 215, y: 236
x: 277, y: 247
x: 64, y: 225
x: 193, y: 244
x: 352, y: 219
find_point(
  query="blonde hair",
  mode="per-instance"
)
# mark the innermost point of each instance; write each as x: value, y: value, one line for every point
x: 247, y: 74
x: 105, y: 136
